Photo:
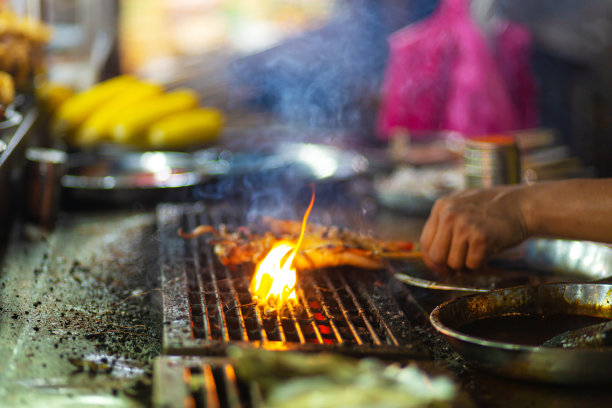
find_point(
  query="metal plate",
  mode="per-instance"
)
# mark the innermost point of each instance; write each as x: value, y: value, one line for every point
x: 111, y: 168
x: 135, y: 170
x: 536, y: 261
x: 554, y: 365
x: 155, y: 169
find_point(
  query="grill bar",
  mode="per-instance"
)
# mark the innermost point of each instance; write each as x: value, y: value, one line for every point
x: 210, y: 286
x: 364, y: 294
x: 309, y: 321
x: 296, y: 325
x: 356, y: 309
x: 319, y: 318
x: 211, y: 394
x: 197, y: 299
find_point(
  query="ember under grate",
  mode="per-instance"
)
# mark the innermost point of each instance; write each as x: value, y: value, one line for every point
x: 208, y: 306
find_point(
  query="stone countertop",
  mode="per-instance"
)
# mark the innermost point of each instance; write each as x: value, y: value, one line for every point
x: 80, y: 312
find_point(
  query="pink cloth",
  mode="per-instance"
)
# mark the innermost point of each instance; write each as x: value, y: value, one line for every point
x: 442, y: 74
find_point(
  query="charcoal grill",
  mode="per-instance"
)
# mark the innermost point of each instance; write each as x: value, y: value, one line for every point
x: 208, y: 306
x: 217, y: 384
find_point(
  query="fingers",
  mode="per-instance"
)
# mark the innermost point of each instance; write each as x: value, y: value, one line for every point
x: 441, y: 245
x: 451, y: 238
x: 477, y: 251
x: 458, y: 248
x: 457, y: 254
x: 465, y: 228
x: 430, y: 228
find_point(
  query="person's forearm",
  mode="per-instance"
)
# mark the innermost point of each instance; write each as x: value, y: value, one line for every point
x: 574, y: 209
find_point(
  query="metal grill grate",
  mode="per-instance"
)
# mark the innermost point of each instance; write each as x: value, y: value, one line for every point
x: 208, y: 305
x: 199, y: 383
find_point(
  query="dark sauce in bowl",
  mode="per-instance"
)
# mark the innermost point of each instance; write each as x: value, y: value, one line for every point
x: 527, y: 329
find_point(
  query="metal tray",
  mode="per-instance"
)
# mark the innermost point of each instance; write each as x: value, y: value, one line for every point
x: 111, y: 169
x: 534, y: 363
x: 131, y: 170
x: 536, y: 261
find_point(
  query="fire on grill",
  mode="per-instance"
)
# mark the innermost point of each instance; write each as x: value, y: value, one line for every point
x: 274, y: 280
x: 208, y: 305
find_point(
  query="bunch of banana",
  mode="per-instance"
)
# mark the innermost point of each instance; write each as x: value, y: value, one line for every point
x: 133, y: 112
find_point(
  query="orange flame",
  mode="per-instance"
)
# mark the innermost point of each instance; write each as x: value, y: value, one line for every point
x: 275, y: 279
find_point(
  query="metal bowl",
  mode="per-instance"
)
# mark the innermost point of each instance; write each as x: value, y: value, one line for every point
x: 526, y: 362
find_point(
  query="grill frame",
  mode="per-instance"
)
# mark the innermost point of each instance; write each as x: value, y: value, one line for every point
x: 207, y: 306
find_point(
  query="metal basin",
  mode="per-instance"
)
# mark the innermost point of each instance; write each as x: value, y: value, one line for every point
x: 528, y: 362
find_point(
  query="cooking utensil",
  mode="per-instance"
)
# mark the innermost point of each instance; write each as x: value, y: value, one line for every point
x: 516, y: 358
x: 536, y: 261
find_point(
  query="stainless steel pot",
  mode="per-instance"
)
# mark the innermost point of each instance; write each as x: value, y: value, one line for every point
x: 526, y: 362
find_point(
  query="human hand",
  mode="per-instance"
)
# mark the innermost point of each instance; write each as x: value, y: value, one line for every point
x: 467, y: 227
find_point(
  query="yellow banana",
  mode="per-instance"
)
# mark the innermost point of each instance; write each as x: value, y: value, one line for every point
x: 97, y: 127
x: 74, y: 111
x: 131, y: 127
x: 7, y: 89
x: 183, y: 129
x: 50, y: 96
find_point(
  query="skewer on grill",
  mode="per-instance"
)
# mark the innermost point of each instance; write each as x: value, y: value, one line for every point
x: 322, y: 246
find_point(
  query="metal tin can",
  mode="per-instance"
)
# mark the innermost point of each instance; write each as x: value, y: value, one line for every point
x: 491, y: 160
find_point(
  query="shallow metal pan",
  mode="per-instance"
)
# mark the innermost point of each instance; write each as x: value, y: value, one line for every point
x: 515, y: 359
x: 536, y: 261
